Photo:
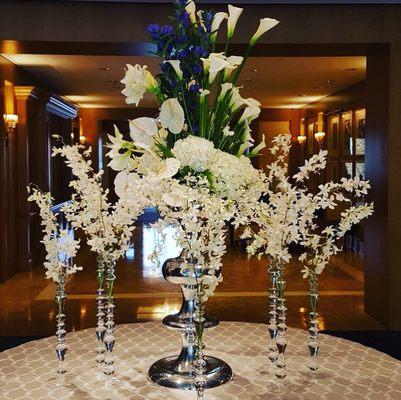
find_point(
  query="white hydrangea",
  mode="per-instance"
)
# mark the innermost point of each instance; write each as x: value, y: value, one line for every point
x: 194, y: 152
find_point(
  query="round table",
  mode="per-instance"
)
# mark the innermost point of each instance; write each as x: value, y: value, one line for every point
x: 347, y: 370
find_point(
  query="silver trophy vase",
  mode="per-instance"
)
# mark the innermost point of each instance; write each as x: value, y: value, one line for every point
x: 178, y: 371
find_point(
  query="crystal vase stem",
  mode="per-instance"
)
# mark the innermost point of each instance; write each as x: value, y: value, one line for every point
x: 109, y: 339
x: 313, y: 343
x: 200, y: 364
x: 100, y: 312
x: 281, y: 342
x: 272, y: 326
x: 61, y: 332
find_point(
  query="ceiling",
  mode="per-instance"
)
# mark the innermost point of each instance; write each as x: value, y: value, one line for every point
x: 277, y: 82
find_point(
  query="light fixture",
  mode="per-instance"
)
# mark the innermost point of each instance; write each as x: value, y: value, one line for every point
x: 301, y: 139
x: 319, y: 136
x: 82, y: 137
x: 11, y: 120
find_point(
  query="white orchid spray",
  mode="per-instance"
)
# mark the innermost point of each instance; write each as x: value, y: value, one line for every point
x: 108, y: 230
x: 60, y: 245
x: 61, y: 248
x: 321, y: 243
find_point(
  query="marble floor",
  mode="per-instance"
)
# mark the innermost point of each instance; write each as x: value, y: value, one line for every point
x: 26, y: 300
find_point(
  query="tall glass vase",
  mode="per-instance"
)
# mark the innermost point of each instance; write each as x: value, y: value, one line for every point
x: 100, y: 311
x: 109, y: 339
x: 313, y: 342
x: 281, y: 341
x: 61, y: 332
x: 272, y: 326
x: 200, y: 362
x: 182, y: 371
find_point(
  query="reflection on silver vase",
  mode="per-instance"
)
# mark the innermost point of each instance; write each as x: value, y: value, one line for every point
x: 179, y: 372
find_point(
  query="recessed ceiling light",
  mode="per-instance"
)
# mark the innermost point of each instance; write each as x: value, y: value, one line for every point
x: 255, y: 70
x: 329, y: 81
x: 351, y: 69
x: 105, y: 69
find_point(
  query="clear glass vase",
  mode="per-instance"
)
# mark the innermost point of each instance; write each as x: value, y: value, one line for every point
x: 272, y: 326
x: 100, y: 310
x: 109, y: 338
x: 281, y: 341
x: 313, y: 342
x: 61, y: 332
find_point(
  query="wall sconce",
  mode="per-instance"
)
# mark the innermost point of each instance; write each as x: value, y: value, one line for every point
x: 319, y: 136
x: 11, y: 120
x: 301, y: 139
x: 82, y: 139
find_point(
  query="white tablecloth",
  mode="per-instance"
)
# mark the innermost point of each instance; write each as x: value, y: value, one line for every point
x: 347, y: 370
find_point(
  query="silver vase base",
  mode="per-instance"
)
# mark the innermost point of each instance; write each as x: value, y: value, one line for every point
x: 164, y: 373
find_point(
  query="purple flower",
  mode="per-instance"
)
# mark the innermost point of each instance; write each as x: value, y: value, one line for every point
x: 184, y: 19
x: 154, y: 30
x: 194, y: 88
x: 166, y: 30
x: 198, y: 50
x: 182, y: 54
x: 197, y: 69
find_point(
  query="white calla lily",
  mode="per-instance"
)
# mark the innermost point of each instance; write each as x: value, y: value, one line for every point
x: 249, y: 114
x: 217, y: 20
x: 217, y: 64
x: 176, y: 64
x: 236, y: 100
x: 255, y: 151
x: 142, y: 131
x: 190, y: 8
x: 172, y: 116
x: 225, y: 87
x: 233, y: 62
x: 233, y: 15
x: 265, y: 25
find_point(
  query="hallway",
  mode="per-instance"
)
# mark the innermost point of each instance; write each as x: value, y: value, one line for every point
x: 27, y: 305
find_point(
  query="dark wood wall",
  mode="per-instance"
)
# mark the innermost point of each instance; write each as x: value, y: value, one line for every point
x: 25, y: 159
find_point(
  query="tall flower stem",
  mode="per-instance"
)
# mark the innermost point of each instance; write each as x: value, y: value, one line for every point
x: 109, y: 338
x: 313, y: 343
x: 281, y: 341
x: 100, y: 300
x: 273, y: 274
x: 61, y: 348
x: 200, y: 364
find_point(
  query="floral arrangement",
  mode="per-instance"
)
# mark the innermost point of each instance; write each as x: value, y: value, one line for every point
x: 61, y: 248
x: 108, y: 229
x: 290, y: 217
x: 199, y: 146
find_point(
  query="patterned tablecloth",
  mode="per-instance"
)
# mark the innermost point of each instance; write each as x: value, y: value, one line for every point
x: 348, y: 370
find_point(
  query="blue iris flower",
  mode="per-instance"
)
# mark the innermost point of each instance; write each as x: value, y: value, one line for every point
x: 197, y: 69
x: 154, y: 30
x: 166, y: 30
x: 194, y: 88
x: 182, y: 54
x: 199, y: 51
